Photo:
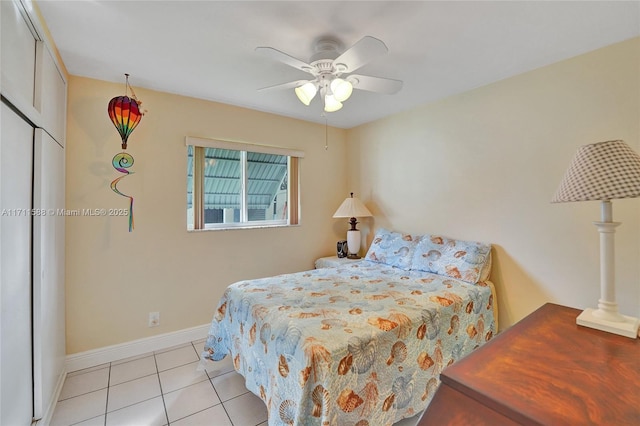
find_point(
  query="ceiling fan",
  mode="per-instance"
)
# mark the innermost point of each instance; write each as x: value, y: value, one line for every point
x: 331, y: 71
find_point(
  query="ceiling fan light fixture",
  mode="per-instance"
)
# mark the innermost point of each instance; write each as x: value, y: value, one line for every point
x: 331, y: 104
x: 341, y: 89
x: 331, y: 69
x: 306, y: 92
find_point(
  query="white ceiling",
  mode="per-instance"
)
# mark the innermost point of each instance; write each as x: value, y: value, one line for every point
x: 205, y: 49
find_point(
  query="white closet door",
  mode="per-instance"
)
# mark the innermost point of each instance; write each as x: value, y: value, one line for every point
x: 16, y: 154
x: 48, y: 270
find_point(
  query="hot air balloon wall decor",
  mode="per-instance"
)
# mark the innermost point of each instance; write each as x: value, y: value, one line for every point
x: 125, y: 114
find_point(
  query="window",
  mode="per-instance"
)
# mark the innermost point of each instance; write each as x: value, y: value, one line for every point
x: 239, y: 185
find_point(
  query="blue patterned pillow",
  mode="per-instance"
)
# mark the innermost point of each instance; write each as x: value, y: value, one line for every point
x: 392, y: 248
x: 466, y: 260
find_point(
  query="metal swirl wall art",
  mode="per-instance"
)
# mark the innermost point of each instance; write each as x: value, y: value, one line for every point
x: 121, y: 162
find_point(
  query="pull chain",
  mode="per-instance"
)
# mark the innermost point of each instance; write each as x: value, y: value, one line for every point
x: 326, y: 132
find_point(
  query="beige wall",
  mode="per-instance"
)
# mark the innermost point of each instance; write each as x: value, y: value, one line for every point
x: 483, y: 165
x: 115, y: 278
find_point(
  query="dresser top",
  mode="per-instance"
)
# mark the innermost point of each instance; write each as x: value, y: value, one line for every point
x: 548, y: 370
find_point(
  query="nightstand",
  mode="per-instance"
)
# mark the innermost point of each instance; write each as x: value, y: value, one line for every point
x: 545, y: 370
x: 334, y: 261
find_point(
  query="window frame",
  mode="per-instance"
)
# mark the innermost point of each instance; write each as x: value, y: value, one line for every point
x: 293, y: 183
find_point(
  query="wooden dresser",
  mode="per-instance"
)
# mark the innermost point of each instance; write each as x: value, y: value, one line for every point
x: 545, y: 370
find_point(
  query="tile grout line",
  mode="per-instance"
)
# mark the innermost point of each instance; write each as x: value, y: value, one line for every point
x: 106, y: 404
x: 131, y: 380
x: 87, y: 392
x: 213, y: 386
x: 164, y: 405
x: 218, y: 395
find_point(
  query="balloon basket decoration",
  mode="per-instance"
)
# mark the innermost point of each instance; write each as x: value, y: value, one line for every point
x: 125, y: 114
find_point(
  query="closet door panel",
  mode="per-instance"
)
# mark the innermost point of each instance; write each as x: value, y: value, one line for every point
x: 16, y: 151
x: 48, y: 269
x: 18, y: 62
x: 51, y: 94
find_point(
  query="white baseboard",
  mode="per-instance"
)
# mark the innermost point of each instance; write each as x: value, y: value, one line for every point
x: 112, y: 353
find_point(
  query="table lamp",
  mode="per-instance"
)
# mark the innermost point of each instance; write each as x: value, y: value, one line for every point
x: 604, y: 171
x: 352, y: 207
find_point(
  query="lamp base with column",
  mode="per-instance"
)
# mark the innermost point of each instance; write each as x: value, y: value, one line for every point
x: 606, y: 317
x: 625, y: 326
x: 353, y: 239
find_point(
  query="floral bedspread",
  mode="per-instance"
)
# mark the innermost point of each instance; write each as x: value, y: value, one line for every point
x: 362, y: 344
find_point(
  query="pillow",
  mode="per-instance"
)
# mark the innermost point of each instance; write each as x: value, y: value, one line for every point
x: 392, y: 248
x: 485, y: 272
x: 466, y: 260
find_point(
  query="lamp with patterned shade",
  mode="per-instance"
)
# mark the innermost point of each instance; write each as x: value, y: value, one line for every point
x: 604, y: 171
x: 352, y: 207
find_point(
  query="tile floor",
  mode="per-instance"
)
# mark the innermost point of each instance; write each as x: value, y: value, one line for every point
x: 161, y: 388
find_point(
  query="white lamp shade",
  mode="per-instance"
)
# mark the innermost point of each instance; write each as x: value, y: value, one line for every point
x: 341, y: 89
x: 306, y: 92
x: 352, y: 207
x: 331, y: 104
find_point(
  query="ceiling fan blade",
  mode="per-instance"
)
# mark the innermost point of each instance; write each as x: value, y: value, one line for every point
x: 283, y: 57
x: 375, y: 84
x: 360, y: 53
x: 290, y: 85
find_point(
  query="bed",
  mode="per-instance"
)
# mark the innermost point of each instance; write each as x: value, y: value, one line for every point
x: 360, y: 344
